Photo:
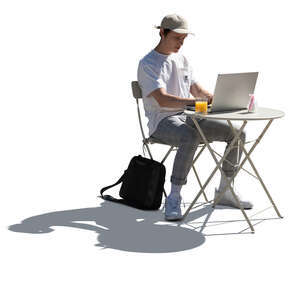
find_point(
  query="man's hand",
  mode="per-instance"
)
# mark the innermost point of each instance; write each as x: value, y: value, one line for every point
x: 210, y: 98
x: 199, y: 92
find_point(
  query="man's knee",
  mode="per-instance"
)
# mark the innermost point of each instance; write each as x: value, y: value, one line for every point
x: 242, y: 135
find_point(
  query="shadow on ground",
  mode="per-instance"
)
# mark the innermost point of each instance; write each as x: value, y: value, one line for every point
x: 121, y: 227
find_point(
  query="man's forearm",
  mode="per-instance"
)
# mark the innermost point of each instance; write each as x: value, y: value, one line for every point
x: 168, y: 100
x: 203, y: 94
x: 198, y: 91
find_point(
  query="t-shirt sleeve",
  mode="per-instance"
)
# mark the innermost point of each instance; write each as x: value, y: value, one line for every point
x: 150, y: 79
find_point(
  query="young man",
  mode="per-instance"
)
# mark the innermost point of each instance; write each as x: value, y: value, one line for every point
x: 167, y: 80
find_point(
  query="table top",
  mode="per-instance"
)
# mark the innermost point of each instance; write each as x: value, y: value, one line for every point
x: 261, y: 113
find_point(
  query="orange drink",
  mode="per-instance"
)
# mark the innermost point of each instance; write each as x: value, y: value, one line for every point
x: 201, y: 106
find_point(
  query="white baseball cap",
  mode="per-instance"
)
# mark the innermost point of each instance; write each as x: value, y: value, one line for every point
x: 175, y: 23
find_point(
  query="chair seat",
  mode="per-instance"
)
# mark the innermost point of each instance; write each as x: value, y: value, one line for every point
x: 153, y: 140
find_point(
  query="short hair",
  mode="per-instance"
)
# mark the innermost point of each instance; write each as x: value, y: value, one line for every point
x: 165, y: 31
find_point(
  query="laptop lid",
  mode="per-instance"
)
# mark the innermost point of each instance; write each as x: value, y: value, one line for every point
x: 232, y: 91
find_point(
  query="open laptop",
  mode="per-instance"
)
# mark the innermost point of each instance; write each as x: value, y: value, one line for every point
x: 232, y: 91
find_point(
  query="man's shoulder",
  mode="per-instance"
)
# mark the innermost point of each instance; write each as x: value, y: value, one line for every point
x: 147, y: 57
x: 152, y: 61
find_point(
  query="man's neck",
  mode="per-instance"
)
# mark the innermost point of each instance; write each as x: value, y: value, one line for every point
x: 162, y: 50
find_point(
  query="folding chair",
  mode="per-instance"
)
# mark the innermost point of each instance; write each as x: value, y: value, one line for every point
x: 137, y: 94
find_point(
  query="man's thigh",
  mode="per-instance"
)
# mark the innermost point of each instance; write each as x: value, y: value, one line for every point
x: 214, y: 130
x: 174, y: 130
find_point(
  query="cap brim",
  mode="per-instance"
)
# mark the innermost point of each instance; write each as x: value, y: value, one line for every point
x: 177, y: 30
x: 183, y: 31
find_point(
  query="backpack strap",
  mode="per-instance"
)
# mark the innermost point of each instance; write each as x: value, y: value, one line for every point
x: 111, y: 198
x: 110, y: 186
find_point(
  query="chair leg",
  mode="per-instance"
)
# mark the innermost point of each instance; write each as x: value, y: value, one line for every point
x: 167, y: 154
x: 164, y: 202
x: 164, y: 159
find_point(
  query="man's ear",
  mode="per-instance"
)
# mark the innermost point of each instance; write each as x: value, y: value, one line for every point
x: 161, y: 33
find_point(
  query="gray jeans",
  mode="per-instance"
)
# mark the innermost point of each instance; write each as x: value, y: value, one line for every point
x: 180, y: 131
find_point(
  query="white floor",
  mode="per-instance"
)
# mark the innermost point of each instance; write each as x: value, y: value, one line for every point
x: 60, y: 240
x: 63, y: 63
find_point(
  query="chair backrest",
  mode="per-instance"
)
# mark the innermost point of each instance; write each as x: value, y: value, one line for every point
x: 137, y: 94
x: 136, y: 90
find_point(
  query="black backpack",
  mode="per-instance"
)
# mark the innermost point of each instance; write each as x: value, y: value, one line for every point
x: 142, y: 184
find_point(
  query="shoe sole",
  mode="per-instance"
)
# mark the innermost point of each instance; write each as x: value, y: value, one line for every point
x: 173, y: 219
x: 230, y: 205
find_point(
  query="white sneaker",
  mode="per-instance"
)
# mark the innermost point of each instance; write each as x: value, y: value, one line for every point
x: 172, y: 209
x: 228, y: 200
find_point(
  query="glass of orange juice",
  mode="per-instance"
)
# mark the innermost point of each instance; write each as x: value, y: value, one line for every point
x: 201, y: 106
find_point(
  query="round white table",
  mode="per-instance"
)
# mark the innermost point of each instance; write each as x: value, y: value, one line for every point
x: 261, y: 113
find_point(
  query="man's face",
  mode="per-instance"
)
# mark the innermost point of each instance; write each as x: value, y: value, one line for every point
x: 173, y: 41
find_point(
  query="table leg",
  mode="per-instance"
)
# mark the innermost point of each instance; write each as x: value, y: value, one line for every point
x: 251, y: 150
x: 254, y: 168
x: 243, y: 162
x: 222, y: 172
x: 196, y: 174
x: 217, y: 162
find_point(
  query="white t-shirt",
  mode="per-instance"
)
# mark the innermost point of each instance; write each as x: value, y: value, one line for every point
x: 171, y: 72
